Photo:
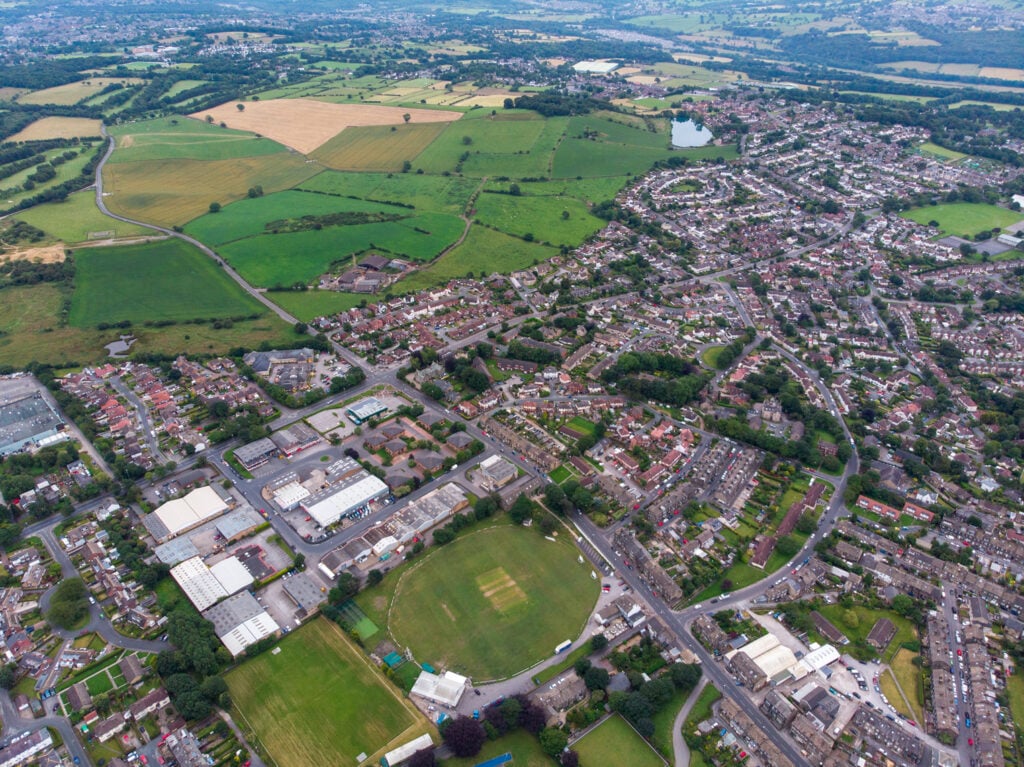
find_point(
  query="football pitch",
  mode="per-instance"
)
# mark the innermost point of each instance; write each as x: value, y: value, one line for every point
x: 320, y: 701
x: 493, y: 603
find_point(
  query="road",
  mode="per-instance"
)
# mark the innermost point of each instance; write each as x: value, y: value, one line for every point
x: 679, y: 747
x: 147, y: 428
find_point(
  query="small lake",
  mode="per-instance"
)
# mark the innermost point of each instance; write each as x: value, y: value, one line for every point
x: 687, y: 133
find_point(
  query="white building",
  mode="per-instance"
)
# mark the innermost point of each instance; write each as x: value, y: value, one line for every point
x: 446, y: 689
x: 240, y: 621
x: 328, y: 510
x: 182, y: 514
x: 205, y: 586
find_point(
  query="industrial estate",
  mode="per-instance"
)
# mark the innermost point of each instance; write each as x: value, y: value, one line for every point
x: 519, y: 384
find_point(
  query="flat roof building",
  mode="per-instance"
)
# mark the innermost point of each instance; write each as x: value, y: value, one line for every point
x: 240, y: 621
x: 305, y: 591
x: 445, y: 689
x: 176, y: 550
x: 199, y: 584
x: 182, y: 514
x: 232, y: 574
x: 398, y: 755
x: 497, y: 472
x: 295, y: 438
x: 329, y: 507
x: 365, y: 409
x: 27, y: 421
x: 256, y: 453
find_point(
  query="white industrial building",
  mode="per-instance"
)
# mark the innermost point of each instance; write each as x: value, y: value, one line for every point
x: 775, y: 660
x: 328, y: 509
x: 396, y: 756
x: 445, y: 689
x: 819, y: 658
x: 240, y: 621
x: 205, y: 586
x: 182, y: 514
x: 595, y: 67
x: 290, y: 495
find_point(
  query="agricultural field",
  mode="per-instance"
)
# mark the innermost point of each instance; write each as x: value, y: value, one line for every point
x: 77, y: 219
x: 72, y: 93
x: 272, y: 260
x: 249, y: 217
x: 377, y: 148
x: 614, y: 743
x: 443, y: 194
x: 511, y: 143
x: 165, y: 280
x: 173, y: 192
x: 57, y: 127
x: 598, y: 146
x: 964, y: 219
x: 179, y: 138
x: 492, y: 603
x: 484, y: 251
x: 64, y: 172
x: 320, y: 701
x: 304, y: 124
x: 554, y: 220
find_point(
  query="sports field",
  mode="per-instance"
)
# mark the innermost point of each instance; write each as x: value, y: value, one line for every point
x: 615, y: 744
x: 165, y: 280
x: 77, y: 219
x: 57, y: 127
x: 320, y: 701
x: 964, y: 219
x: 305, y: 124
x: 493, y: 603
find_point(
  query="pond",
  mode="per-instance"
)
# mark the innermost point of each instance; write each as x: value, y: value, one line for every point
x: 687, y: 133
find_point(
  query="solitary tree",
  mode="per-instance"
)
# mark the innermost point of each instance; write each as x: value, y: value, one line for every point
x: 240, y: 107
x: 215, y: 207
x: 407, y: 117
x: 464, y: 736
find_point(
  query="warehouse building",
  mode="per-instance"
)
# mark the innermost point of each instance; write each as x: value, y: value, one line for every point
x: 28, y: 421
x: 183, y: 514
x: 240, y: 621
x: 205, y: 586
x: 328, y: 507
x: 496, y: 472
x: 176, y: 550
x: 305, y: 591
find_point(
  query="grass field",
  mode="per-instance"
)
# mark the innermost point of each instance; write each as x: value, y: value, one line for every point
x: 964, y: 219
x: 524, y: 747
x: 702, y: 708
x: 664, y: 718
x: 166, y: 280
x: 178, y: 138
x: 484, y: 251
x: 309, y: 304
x: 305, y: 124
x: 377, y: 148
x: 582, y: 424
x: 76, y: 218
x: 908, y: 676
x: 72, y: 93
x: 615, y: 744
x: 511, y: 143
x: 320, y: 701
x: 173, y: 192
x: 940, y: 151
x: 287, y: 258
x: 866, y: 619
x: 1015, y: 691
x: 444, y: 194
x: 247, y: 218
x: 30, y: 329
x: 889, y: 688
x: 57, y: 127
x: 72, y: 169
x: 493, y: 603
x: 710, y: 356
x: 556, y: 220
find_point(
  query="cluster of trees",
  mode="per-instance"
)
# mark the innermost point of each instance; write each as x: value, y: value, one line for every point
x: 465, y: 736
x: 553, y: 104
x: 69, y: 603
x: 645, y: 699
x: 679, y: 385
x: 190, y: 671
x: 133, y: 552
x: 517, y: 350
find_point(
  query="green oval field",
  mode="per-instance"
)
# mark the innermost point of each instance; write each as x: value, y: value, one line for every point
x: 493, y: 603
